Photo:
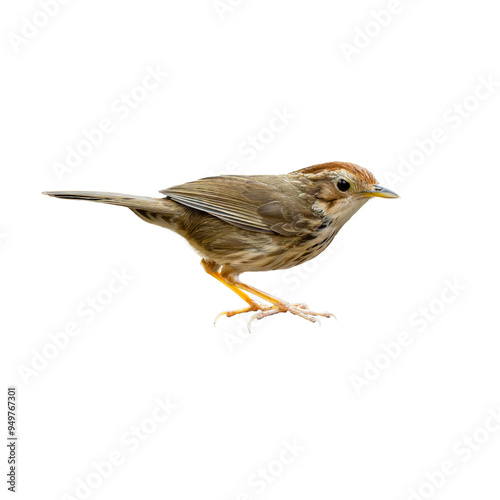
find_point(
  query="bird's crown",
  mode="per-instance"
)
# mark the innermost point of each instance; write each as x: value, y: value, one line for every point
x: 357, y: 172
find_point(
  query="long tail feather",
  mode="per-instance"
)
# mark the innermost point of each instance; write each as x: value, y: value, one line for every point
x: 158, y: 211
x: 122, y: 200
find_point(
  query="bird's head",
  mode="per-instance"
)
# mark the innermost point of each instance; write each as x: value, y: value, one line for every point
x: 341, y: 189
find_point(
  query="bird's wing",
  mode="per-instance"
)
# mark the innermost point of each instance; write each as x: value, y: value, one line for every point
x: 269, y: 204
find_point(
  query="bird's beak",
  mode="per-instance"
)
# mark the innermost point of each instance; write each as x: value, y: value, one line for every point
x: 380, y: 192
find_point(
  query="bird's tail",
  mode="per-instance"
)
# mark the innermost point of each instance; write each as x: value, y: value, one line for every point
x: 159, y: 211
x: 122, y: 200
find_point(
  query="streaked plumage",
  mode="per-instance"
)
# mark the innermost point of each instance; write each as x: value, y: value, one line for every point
x: 255, y: 223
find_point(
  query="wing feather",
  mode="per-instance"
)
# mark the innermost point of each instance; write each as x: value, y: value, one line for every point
x: 263, y: 203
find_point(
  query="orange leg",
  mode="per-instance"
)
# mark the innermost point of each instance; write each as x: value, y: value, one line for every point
x: 278, y: 306
x: 252, y: 304
x: 262, y: 295
x: 212, y: 270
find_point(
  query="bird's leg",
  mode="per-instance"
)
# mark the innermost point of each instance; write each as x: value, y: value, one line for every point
x: 213, y: 269
x: 229, y: 277
x: 281, y: 306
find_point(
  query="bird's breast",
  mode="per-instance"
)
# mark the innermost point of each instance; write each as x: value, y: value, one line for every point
x: 311, y: 247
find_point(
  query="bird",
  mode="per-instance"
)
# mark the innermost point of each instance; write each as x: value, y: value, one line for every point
x: 255, y: 223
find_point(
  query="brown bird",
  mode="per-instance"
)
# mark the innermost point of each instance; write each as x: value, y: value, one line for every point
x: 240, y: 223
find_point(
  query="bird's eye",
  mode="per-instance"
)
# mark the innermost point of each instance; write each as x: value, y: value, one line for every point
x: 343, y: 185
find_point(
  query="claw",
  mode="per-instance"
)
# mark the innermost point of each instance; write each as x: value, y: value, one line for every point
x: 254, y: 307
x: 263, y: 311
x: 218, y: 316
x: 270, y: 311
x: 249, y: 324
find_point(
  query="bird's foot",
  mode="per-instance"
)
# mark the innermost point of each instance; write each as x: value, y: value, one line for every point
x: 255, y: 306
x: 301, y: 310
x: 263, y: 311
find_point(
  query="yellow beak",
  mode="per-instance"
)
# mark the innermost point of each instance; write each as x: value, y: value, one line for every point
x: 380, y: 192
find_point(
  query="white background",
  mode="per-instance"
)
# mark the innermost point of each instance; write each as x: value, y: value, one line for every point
x: 238, y: 397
